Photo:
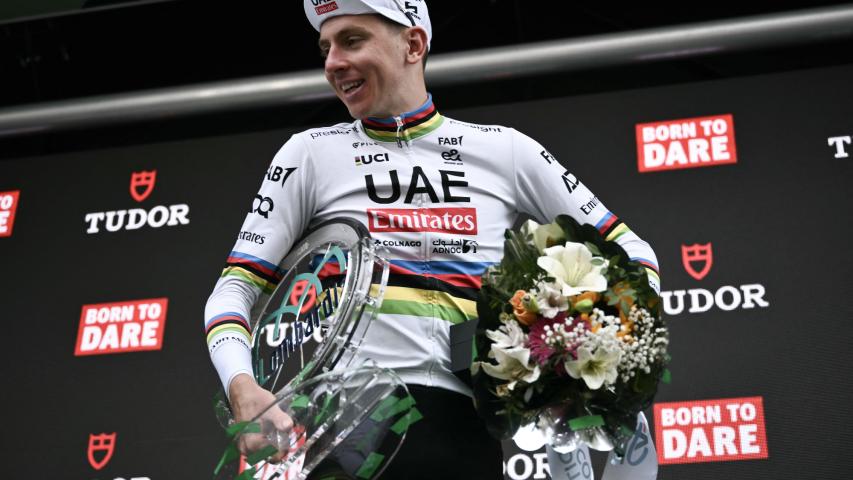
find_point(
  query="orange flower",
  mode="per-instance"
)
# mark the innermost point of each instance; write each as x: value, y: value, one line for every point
x: 524, y: 316
x: 593, y: 296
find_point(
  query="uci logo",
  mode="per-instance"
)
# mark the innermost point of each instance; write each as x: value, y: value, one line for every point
x: 368, y: 159
x: 262, y: 206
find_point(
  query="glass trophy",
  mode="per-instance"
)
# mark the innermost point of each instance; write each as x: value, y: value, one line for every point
x: 349, y: 417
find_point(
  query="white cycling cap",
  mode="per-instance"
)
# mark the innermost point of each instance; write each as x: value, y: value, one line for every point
x: 409, y: 13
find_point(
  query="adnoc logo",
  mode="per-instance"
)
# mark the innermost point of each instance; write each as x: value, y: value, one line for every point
x: 697, y: 260
x: 141, y: 186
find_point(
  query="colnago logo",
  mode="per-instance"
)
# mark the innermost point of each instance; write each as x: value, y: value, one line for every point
x: 398, y: 243
x: 460, y: 221
x: 840, y: 144
x: 710, y: 430
x: 131, y: 326
x: 8, y: 206
x: 697, y: 260
x: 141, y: 186
x: 686, y: 143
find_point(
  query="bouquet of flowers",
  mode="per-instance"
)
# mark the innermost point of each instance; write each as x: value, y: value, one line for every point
x: 570, y: 342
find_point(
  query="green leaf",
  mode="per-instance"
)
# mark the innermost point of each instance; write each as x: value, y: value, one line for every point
x: 667, y: 377
x: 588, y: 421
x: 592, y: 248
x: 241, y: 428
x: 229, y: 455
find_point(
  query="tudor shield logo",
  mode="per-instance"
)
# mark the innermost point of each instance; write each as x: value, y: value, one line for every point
x: 142, y: 184
x: 101, y: 448
x: 699, y: 254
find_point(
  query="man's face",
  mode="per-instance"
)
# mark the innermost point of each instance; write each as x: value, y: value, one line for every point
x: 364, y: 63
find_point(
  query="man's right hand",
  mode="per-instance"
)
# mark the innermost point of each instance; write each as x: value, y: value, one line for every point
x: 248, y: 400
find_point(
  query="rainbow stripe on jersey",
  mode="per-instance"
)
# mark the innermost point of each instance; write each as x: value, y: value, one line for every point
x: 412, y: 125
x: 612, y: 228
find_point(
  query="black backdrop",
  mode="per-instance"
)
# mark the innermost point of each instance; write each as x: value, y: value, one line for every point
x: 778, y: 218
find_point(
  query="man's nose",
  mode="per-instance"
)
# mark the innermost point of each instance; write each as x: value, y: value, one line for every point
x: 335, y: 61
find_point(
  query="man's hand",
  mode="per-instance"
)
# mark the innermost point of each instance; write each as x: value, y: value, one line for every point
x: 248, y: 399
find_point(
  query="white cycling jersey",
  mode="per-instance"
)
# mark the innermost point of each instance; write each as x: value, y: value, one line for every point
x: 437, y: 193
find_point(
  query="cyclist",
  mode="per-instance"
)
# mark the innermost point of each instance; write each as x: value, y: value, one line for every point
x: 437, y: 192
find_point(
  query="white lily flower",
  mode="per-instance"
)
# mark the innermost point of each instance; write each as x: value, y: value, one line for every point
x: 513, y: 358
x: 509, y: 335
x: 543, y: 235
x: 550, y: 300
x: 596, y: 368
x: 574, y: 268
x: 513, y: 364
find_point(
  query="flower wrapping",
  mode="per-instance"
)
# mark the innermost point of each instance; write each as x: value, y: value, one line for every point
x: 570, y: 338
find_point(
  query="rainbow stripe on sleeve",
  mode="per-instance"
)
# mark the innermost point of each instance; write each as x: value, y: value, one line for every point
x: 253, y: 270
x: 612, y: 229
x: 227, y: 322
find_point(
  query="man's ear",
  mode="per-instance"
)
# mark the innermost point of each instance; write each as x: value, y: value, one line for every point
x: 416, y: 40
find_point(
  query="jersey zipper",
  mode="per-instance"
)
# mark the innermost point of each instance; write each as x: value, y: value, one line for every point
x: 399, y: 121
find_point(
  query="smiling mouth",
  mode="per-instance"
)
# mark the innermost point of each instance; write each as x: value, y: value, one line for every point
x: 349, y: 87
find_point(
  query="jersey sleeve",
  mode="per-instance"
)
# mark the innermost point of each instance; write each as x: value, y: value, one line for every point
x: 276, y: 217
x: 545, y: 189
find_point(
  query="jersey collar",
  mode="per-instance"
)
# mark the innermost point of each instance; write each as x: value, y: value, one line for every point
x: 405, y: 127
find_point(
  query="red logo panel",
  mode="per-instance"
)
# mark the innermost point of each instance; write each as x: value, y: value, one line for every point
x: 103, y: 446
x: 686, y: 143
x: 704, y: 254
x: 131, y: 326
x: 323, y: 9
x: 710, y: 430
x: 8, y: 206
x: 142, y: 184
x: 460, y: 221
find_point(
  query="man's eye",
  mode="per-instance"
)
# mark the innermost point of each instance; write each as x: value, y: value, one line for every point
x: 353, y: 40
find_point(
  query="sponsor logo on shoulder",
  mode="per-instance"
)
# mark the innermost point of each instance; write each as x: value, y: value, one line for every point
x: 569, y: 180
x: 276, y: 174
x: 686, y: 143
x: 262, y: 206
x: 8, y: 206
x: 141, y: 187
x: 252, y: 237
x: 482, y: 128
x: 326, y: 133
